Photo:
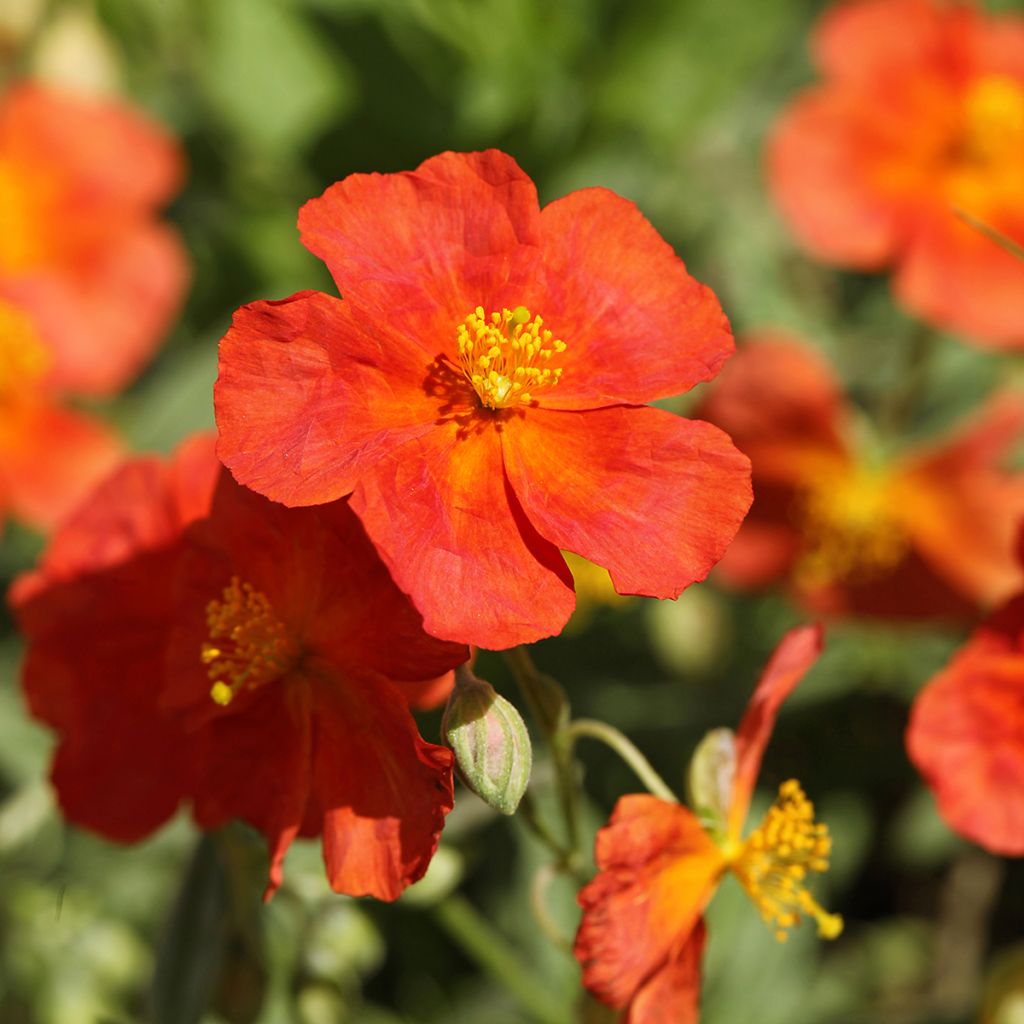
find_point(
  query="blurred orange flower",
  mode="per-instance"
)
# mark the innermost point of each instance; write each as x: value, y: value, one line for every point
x: 966, y: 734
x: 481, y: 393
x: 919, y: 119
x: 190, y: 640
x: 641, y: 938
x: 927, y: 533
x: 81, y: 250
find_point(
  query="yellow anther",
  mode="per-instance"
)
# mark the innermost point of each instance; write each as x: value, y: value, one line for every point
x: 776, y: 859
x: 253, y: 647
x: 850, y: 527
x: 499, y: 356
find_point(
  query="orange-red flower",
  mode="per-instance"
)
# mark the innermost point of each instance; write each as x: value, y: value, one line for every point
x: 966, y: 734
x: 919, y: 118
x: 480, y: 394
x: 80, y: 249
x: 923, y: 533
x: 641, y: 938
x: 50, y: 455
x: 190, y: 640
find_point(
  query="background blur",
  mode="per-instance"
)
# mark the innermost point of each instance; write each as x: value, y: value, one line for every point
x: 667, y: 102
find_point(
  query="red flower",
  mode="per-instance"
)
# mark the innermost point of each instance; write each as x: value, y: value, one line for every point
x: 642, y: 935
x: 190, y: 640
x: 929, y: 532
x: 919, y: 118
x: 50, y: 455
x: 966, y: 734
x: 80, y: 250
x: 480, y: 394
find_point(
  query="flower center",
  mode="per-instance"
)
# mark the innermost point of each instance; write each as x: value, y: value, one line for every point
x: 248, y: 644
x: 505, y: 356
x: 23, y: 205
x: 849, y: 527
x: 776, y: 858
x: 23, y: 358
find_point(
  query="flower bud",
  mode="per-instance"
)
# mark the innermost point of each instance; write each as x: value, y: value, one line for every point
x: 712, y: 770
x: 489, y: 739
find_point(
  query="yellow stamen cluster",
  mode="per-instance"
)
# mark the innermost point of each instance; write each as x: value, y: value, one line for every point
x: 774, y: 862
x: 249, y: 645
x: 23, y: 359
x: 505, y: 356
x: 850, y: 528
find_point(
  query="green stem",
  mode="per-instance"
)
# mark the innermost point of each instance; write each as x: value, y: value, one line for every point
x: 479, y: 941
x: 625, y: 748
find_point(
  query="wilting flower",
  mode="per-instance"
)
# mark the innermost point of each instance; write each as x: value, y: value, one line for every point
x: 916, y: 128
x: 966, y: 734
x: 80, y: 248
x: 50, y: 454
x: 480, y: 394
x: 923, y: 533
x: 190, y: 640
x: 642, y: 935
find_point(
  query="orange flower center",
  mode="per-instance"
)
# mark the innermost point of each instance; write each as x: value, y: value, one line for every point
x: 850, y: 528
x: 23, y: 358
x: 248, y: 644
x: 987, y: 170
x: 777, y: 857
x: 505, y: 356
x: 23, y: 203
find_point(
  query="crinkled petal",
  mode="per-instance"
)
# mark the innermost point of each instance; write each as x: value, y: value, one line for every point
x: 636, y: 325
x: 429, y: 245
x: 384, y: 792
x: 308, y: 397
x: 657, y: 869
x: 672, y: 994
x: 966, y: 737
x: 796, y: 653
x: 443, y: 517
x: 652, y: 498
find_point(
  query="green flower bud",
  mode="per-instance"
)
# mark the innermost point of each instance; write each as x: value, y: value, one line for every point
x: 709, y: 784
x: 489, y: 739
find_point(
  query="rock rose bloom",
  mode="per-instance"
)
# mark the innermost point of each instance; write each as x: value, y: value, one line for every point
x: 81, y: 251
x: 966, y: 734
x: 928, y: 532
x: 641, y: 938
x: 189, y: 640
x: 917, y: 124
x: 480, y: 393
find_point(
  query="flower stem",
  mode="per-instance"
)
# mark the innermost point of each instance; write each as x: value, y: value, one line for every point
x: 625, y: 748
x: 471, y: 931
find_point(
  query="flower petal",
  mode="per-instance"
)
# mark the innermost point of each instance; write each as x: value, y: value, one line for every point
x: 652, y: 498
x: 442, y: 515
x: 345, y: 393
x: 384, y: 792
x: 966, y: 737
x: 636, y: 325
x: 438, y: 241
x: 657, y: 869
x: 672, y: 994
x: 797, y: 652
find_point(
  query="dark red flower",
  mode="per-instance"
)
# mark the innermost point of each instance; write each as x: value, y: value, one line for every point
x: 190, y: 640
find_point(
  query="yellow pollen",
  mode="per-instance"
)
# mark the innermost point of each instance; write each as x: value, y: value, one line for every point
x: 248, y: 644
x: 850, y: 528
x: 23, y: 358
x: 776, y: 859
x: 505, y: 356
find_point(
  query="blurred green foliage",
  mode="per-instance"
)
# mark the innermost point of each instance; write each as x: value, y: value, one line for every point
x: 668, y: 103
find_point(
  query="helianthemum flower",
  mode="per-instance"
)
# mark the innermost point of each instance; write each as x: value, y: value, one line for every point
x: 81, y: 250
x: 925, y: 532
x: 917, y: 124
x: 480, y: 394
x: 966, y: 734
x: 190, y: 640
x: 642, y: 936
